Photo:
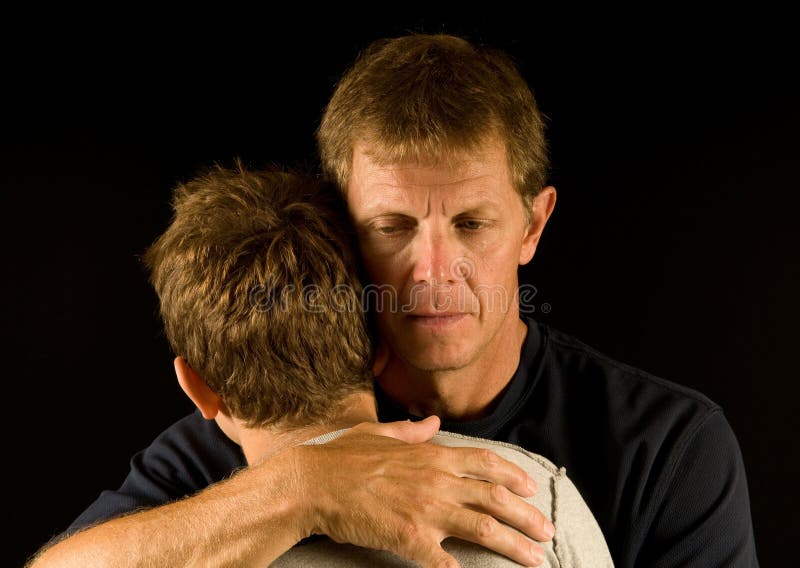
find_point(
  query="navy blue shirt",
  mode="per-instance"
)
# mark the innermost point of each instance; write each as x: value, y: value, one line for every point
x: 657, y: 463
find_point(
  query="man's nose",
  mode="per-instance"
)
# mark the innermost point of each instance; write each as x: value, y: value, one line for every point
x: 435, y: 252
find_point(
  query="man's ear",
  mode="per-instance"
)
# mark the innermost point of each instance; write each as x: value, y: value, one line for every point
x: 381, y: 358
x: 196, y: 389
x: 541, y: 208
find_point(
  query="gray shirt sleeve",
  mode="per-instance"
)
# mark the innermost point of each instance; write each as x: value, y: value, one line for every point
x: 578, y: 542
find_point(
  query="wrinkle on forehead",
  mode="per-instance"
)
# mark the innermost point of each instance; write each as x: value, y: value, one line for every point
x: 456, y: 195
x: 467, y: 182
x: 456, y: 161
x: 435, y: 150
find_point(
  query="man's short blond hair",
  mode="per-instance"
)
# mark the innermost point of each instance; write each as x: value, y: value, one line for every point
x: 431, y: 98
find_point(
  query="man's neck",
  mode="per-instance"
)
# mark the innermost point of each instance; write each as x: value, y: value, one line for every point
x: 260, y: 443
x: 467, y: 393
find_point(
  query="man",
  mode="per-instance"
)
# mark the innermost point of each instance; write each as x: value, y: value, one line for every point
x: 253, y: 274
x: 438, y: 146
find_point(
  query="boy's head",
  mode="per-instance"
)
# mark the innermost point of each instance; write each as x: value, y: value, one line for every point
x: 259, y: 292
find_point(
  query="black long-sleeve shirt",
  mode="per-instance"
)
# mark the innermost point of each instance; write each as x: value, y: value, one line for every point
x: 657, y: 463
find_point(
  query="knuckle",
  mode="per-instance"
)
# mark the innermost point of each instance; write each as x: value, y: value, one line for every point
x: 525, y: 548
x: 488, y: 458
x: 440, y: 479
x: 408, y: 533
x: 535, y: 521
x: 430, y: 451
x: 535, y: 552
x: 446, y: 563
x: 485, y: 526
x: 426, y: 507
x: 498, y: 494
x: 422, y: 454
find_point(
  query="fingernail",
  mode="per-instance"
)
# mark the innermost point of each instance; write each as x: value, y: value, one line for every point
x: 532, y: 485
x: 549, y: 530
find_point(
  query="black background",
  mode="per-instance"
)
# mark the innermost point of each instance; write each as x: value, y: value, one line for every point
x: 673, y: 245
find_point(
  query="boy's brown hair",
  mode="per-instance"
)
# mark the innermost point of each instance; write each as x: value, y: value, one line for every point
x: 258, y: 285
x: 430, y: 98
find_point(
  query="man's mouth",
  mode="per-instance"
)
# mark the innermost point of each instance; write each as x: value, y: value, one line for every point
x: 436, y: 319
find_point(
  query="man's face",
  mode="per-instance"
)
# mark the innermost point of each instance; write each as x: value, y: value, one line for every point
x: 445, y: 242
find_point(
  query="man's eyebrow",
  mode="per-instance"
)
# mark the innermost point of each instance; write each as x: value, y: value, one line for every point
x: 389, y: 204
x: 481, y: 207
x: 482, y: 203
x: 383, y: 207
x: 400, y: 208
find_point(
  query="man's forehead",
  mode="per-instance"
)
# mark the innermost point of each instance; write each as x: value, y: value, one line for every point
x: 472, y: 191
x: 425, y: 154
x: 398, y: 187
x: 469, y: 177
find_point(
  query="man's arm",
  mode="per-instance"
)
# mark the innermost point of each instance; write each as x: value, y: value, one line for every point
x: 378, y: 486
x: 704, y: 513
x: 249, y: 519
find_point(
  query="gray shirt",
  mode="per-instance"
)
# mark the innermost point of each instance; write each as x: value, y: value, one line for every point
x: 578, y: 541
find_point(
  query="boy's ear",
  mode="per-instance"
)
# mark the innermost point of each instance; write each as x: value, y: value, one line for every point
x: 196, y: 389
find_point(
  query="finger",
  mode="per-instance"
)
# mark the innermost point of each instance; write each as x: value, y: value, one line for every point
x: 485, y: 465
x: 405, y: 430
x: 488, y: 532
x: 502, y: 504
x: 431, y: 556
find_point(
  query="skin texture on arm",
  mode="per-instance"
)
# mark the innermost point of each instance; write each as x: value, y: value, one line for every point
x: 416, y: 497
x: 378, y: 487
x: 251, y: 518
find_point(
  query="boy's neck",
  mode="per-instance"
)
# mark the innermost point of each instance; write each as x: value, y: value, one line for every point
x: 260, y: 443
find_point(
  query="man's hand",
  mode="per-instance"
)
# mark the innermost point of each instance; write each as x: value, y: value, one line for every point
x: 384, y: 486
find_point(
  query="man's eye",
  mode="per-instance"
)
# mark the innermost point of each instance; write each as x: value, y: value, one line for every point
x: 392, y: 225
x: 386, y: 229
x: 471, y: 224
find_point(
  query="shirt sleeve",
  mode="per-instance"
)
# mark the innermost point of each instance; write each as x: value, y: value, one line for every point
x: 188, y: 456
x: 704, y: 513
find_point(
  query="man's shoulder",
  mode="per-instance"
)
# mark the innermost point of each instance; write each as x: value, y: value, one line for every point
x: 189, y: 455
x: 193, y: 433
x: 578, y: 365
x: 192, y: 448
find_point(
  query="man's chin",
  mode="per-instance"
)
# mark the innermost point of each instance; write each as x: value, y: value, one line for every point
x: 428, y: 348
x: 435, y: 362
